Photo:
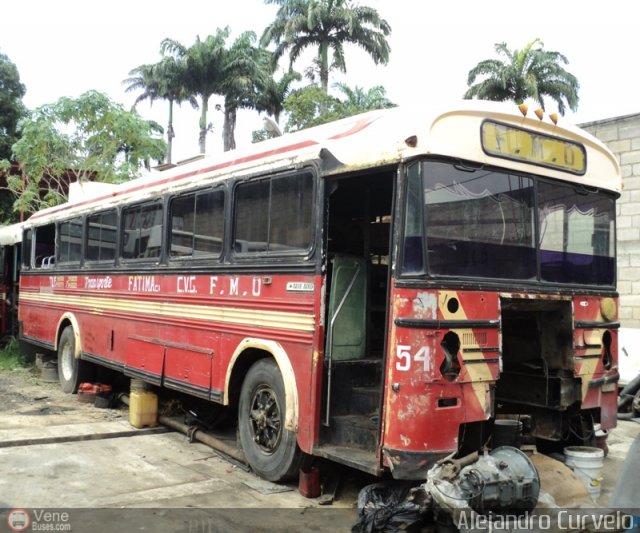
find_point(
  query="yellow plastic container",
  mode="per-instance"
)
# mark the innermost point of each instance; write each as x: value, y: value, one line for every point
x: 143, y: 409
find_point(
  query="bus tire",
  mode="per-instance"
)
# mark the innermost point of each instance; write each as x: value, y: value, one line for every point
x: 71, y: 370
x: 269, y: 448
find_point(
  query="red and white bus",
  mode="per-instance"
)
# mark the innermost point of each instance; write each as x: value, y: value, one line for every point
x: 375, y: 291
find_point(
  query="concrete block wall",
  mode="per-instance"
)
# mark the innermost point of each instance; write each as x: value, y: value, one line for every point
x: 622, y: 136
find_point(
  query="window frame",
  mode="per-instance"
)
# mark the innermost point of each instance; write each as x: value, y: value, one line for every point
x: 120, y: 258
x: 45, y: 264
x: 102, y: 262
x: 219, y: 257
x: 59, y: 224
x: 26, y: 259
x: 427, y: 274
x: 299, y: 254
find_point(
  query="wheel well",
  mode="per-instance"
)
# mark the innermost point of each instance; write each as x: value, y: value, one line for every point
x: 63, y: 325
x: 246, y: 359
x: 68, y: 319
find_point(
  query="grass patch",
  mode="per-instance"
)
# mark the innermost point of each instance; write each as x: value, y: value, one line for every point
x: 10, y: 356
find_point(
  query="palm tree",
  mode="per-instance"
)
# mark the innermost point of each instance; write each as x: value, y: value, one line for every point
x: 163, y: 80
x: 244, y: 73
x: 326, y: 25
x: 359, y: 100
x: 204, y: 63
x: 528, y: 73
x: 273, y: 94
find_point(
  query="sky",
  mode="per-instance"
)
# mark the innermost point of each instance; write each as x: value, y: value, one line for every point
x: 66, y: 47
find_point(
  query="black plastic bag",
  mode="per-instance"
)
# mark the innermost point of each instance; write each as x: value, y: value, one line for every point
x: 386, y: 507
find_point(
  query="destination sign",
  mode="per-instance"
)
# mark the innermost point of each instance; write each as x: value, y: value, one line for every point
x: 511, y: 142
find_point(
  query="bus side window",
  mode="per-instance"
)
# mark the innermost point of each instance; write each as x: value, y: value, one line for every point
x: 274, y: 215
x: 101, y: 236
x: 197, y: 224
x: 142, y: 231
x: 45, y: 247
x: 26, y: 248
x: 413, y: 255
x: 70, y: 241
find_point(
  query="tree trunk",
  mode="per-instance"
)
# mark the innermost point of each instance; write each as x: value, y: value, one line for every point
x: 324, y: 67
x: 170, y: 132
x: 229, y: 128
x: 202, y: 139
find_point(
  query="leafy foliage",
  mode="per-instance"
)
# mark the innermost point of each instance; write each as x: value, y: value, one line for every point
x: 203, y: 64
x: 10, y: 356
x: 90, y: 137
x: 311, y: 106
x: 358, y: 100
x: 164, y: 80
x: 239, y: 73
x: 246, y: 73
x: 326, y: 25
x: 11, y: 107
x: 274, y: 92
x: 528, y: 73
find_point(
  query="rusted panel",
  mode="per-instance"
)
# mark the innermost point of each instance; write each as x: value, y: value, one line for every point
x: 424, y: 409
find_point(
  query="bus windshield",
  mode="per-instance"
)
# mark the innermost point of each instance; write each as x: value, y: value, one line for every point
x: 486, y: 223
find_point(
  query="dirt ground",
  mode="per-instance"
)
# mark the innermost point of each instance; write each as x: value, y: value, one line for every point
x: 27, y: 398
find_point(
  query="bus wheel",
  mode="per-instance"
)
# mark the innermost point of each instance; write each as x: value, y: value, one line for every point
x: 270, y: 449
x: 71, y: 370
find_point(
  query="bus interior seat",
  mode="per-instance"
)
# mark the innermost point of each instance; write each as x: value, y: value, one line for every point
x: 349, y: 340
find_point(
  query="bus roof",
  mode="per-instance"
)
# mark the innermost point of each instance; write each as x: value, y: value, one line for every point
x: 11, y: 234
x: 369, y: 140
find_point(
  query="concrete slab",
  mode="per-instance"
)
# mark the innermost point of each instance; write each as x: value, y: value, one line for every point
x: 141, y: 470
x: 25, y: 436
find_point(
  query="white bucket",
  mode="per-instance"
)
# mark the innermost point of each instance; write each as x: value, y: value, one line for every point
x: 587, y: 463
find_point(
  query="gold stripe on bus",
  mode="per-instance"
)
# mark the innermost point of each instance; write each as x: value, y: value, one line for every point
x: 479, y: 372
x: 587, y: 370
x: 589, y: 366
x: 229, y: 315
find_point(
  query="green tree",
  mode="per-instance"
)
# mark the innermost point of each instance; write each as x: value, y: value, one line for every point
x: 274, y: 93
x: 164, y: 80
x: 326, y: 25
x: 528, y: 73
x: 204, y: 63
x: 245, y: 71
x: 11, y: 111
x: 271, y: 100
x: 311, y: 106
x: 11, y: 107
x: 89, y: 137
x: 358, y: 100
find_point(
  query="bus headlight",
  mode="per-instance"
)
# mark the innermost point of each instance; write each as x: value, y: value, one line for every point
x: 608, y: 308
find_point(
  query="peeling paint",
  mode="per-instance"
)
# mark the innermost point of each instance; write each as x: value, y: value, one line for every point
x: 405, y: 440
x: 425, y: 305
x: 419, y: 405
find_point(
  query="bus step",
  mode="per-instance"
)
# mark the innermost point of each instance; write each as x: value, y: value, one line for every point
x: 365, y: 400
x: 360, y: 431
x: 363, y: 460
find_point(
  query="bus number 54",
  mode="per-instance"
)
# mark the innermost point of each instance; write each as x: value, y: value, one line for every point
x: 404, y: 358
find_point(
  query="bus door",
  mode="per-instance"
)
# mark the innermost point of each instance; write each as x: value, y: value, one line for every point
x: 357, y: 266
x: 10, y: 261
